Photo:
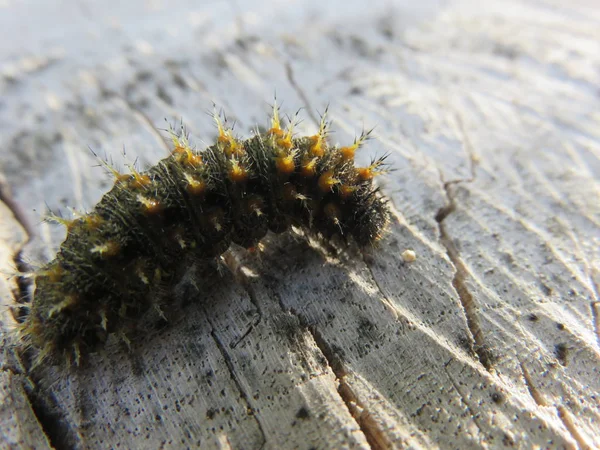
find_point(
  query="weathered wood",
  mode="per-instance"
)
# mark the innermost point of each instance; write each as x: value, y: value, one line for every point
x: 19, y: 427
x: 490, y: 338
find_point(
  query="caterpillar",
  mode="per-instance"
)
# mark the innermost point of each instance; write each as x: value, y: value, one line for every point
x: 193, y: 202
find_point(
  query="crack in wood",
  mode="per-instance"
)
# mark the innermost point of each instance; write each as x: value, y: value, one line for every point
x: 563, y: 414
x: 235, y: 266
x: 480, y: 348
x: 374, y: 434
x: 533, y: 391
x: 54, y: 428
x: 289, y: 71
x: 235, y: 379
x: 467, y: 301
x: 567, y: 420
x: 23, y: 268
x: 338, y: 369
x: 16, y: 210
x: 596, y: 319
x: 53, y: 424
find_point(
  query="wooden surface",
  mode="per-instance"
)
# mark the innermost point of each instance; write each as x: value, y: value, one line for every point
x: 490, y: 112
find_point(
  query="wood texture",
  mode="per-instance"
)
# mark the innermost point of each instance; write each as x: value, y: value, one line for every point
x: 489, y: 111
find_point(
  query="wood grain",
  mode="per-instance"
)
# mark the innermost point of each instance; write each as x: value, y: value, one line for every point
x: 488, y: 339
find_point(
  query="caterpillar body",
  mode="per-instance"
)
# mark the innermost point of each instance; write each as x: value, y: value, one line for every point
x: 197, y: 203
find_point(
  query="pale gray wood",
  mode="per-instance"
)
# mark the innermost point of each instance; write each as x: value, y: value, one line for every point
x: 489, y: 338
x: 19, y: 427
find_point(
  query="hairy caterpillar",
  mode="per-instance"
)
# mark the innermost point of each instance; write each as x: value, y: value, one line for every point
x: 198, y: 203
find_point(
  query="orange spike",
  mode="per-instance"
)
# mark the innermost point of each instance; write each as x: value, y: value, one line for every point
x: 237, y: 173
x: 118, y: 176
x: 347, y: 153
x: 365, y: 173
x: 308, y: 167
x: 228, y: 144
x: 368, y: 173
x: 67, y: 223
x: 223, y: 137
x: 316, y: 145
x: 121, y: 177
x: 275, y: 122
x: 235, y: 148
x: 286, y: 140
x: 180, y: 141
x: 327, y: 181
x: 193, y: 159
x: 139, y: 180
x: 317, y: 141
x: 285, y: 164
x: 194, y: 185
x: 151, y: 205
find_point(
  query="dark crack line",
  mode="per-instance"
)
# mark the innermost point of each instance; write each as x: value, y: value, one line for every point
x: 235, y: 266
x: 23, y: 282
x: 247, y: 333
x: 234, y: 378
x: 454, y: 384
x: 290, y: 76
x: 51, y: 419
x: 43, y: 406
x: 28, y: 388
x: 374, y: 279
x: 16, y: 210
x: 468, y: 302
x: 466, y: 299
x: 459, y: 283
x: 375, y: 436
